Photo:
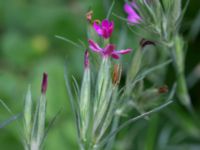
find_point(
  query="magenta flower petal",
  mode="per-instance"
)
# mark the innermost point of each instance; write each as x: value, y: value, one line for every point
x: 133, y: 16
x: 104, y: 29
x: 97, y: 28
x: 133, y: 19
x: 109, y: 49
x: 105, y: 23
x: 126, y: 51
x: 115, y: 55
x: 128, y: 9
x: 111, y: 27
x: 94, y: 46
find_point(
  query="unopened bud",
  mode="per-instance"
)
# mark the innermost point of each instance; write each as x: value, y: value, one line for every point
x: 86, y: 59
x: 117, y: 74
x: 44, y: 83
x: 145, y: 42
x: 163, y: 89
x: 89, y: 16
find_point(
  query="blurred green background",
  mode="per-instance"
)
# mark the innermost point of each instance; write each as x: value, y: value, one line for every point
x: 28, y: 48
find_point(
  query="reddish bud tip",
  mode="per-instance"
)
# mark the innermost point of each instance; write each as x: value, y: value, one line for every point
x: 163, y: 89
x: 145, y: 42
x: 86, y: 59
x: 44, y: 83
x: 116, y: 74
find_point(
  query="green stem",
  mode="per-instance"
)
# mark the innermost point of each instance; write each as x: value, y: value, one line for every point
x: 182, y: 90
x: 179, y: 60
x: 115, y: 124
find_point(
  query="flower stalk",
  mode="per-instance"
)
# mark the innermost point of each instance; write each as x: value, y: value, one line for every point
x: 34, y: 122
x: 179, y: 61
x: 85, y: 99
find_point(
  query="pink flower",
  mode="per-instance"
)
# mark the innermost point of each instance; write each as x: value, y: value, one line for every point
x: 133, y: 16
x: 104, y: 29
x: 108, y: 51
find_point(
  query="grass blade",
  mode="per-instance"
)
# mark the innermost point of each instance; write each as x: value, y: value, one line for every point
x: 6, y: 107
x: 11, y: 119
x: 68, y: 41
x: 130, y: 121
x: 110, y: 9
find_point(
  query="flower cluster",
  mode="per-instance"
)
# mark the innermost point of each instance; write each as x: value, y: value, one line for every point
x: 105, y: 30
x: 97, y: 103
x: 95, y: 110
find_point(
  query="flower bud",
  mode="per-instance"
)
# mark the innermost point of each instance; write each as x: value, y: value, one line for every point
x: 145, y: 42
x: 85, y: 103
x: 89, y: 15
x: 44, y: 83
x: 86, y: 59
